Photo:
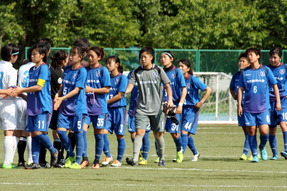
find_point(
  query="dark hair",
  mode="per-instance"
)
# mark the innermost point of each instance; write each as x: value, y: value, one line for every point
x: 276, y: 50
x: 187, y: 63
x: 42, y: 49
x: 99, y: 51
x: 80, y: 50
x: 148, y: 50
x: 58, y: 57
x: 116, y: 59
x: 46, y: 41
x: 8, y: 50
x: 82, y: 42
x: 242, y: 55
x: 255, y: 50
x: 169, y: 53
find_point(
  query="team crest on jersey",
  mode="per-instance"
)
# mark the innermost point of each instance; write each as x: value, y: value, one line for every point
x: 155, y: 74
x: 282, y: 71
x: 262, y: 73
x: 116, y: 81
x: 60, y: 80
x: 98, y: 73
x: 173, y: 75
x: 75, y: 76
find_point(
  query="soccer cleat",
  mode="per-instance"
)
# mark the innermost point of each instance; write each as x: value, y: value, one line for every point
x: 141, y: 155
x: 96, y: 165
x: 156, y: 160
x: 161, y: 163
x: 131, y: 162
x: 84, y: 163
x: 8, y: 166
x: 75, y: 165
x: 263, y: 154
x: 142, y: 161
x: 275, y: 157
x: 21, y: 164
x: 243, y: 157
x: 284, y: 154
x: 251, y: 157
x: 255, y: 159
x: 116, y: 163
x: 54, y: 158
x: 179, y: 156
x: 107, y: 161
x: 45, y: 165
x: 195, y: 157
x: 69, y: 162
x: 33, y: 166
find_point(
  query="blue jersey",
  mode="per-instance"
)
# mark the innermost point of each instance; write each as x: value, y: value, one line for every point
x: 177, y: 82
x: 133, y: 98
x: 40, y: 101
x: 73, y: 78
x: 234, y: 82
x: 98, y: 77
x: 280, y: 74
x: 119, y: 84
x: 256, y: 83
x: 193, y: 84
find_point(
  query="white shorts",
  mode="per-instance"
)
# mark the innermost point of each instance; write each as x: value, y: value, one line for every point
x: 8, y: 119
x: 21, y: 113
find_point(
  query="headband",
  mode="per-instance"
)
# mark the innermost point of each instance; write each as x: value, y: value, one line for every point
x: 168, y: 54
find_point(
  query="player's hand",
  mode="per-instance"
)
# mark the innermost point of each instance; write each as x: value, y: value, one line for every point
x: 198, y: 105
x: 89, y: 89
x: 278, y: 106
x: 239, y: 111
x: 16, y: 91
x: 179, y: 109
x: 57, y: 103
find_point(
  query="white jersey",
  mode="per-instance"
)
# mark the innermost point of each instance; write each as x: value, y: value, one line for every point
x: 23, y: 75
x: 8, y: 75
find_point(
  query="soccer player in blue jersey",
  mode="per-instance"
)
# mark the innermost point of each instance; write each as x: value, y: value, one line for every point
x: 255, y: 82
x: 98, y: 85
x: 178, y: 86
x: 132, y: 126
x: 149, y: 78
x: 39, y: 105
x: 117, y: 105
x: 191, y: 106
x: 278, y: 117
x: 242, y: 63
x: 71, y: 102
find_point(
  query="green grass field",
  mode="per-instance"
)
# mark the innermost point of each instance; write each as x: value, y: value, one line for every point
x: 219, y: 168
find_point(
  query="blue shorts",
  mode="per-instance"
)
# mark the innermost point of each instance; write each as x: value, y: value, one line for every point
x: 254, y: 119
x: 39, y: 122
x: 132, y: 124
x: 190, y: 119
x: 99, y: 121
x: 241, y: 121
x: 117, y: 120
x: 75, y: 123
x: 173, y: 127
x: 278, y: 116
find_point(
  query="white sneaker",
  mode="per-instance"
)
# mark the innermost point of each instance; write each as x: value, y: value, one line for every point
x: 195, y: 157
x: 107, y: 160
x: 116, y: 163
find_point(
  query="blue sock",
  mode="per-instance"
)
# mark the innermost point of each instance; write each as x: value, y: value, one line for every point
x: 146, y: 145
x: 285, y: 140
x: 184, y: 139
x: 263, y: 140
x: 85, y: 150
x: 45, y: 140
x: 36, y: 145
x: 66, y: 143
x: 178, y: 144
x: 273, y: 144
x: 246, y: 145
x: 79, y: 145
x: 121, y: 149
x: 99, y: 146
x: 106, y: 148
x: 191, y: 145
x: 253, y: 144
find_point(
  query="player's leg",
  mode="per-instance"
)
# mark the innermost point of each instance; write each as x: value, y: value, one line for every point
x: 85, y: 162
x: 263, y: 122
x: 158, y: 125
x: 110, y: 124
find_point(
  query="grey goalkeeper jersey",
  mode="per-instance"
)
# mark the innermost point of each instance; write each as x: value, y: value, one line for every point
x: 150, y: 89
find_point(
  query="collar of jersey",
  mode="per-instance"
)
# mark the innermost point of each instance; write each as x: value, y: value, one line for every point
x: 172, y: 67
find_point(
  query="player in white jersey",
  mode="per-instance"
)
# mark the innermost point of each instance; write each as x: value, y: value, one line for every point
x: 21, y: 110
x: 8, y: 77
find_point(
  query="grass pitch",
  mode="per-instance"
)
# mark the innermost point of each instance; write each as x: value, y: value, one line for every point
x: 218, y: 168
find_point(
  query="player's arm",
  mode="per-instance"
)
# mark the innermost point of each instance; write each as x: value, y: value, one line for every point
x: 59, y: 100
x: 233, y: 94
x: 239, y: 101
x: 117, y: 97
x: 277, y: 96
x: 169, y: 95
x: 181, y: 101
x: 206, y: 95
x: 38, y: 87
x: 129, y: 88
x: 103, y: 90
